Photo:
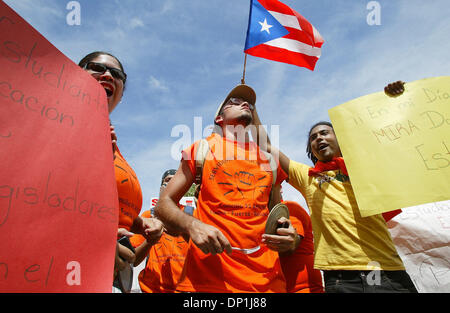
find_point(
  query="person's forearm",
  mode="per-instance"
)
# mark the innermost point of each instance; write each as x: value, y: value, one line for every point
x: 262, y: 139
x: 137, y: 226
x: 142, y: 252
x: 276, y: 196
x: 175, y: 220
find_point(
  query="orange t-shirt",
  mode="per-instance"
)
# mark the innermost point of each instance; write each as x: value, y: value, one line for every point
x: 298, y: 268
x: 164, y: 263
x: 129, y: 190
x: 236, y: 185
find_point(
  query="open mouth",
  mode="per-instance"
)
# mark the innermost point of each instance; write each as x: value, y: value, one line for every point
x: 109, y: 89
x: 322, y: 146
x: 109, y: 93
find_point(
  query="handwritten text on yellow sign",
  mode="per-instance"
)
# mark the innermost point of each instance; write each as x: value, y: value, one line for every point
x: 397, y: 149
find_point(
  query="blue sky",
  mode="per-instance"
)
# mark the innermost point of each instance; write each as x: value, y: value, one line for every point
x: 182, y: 58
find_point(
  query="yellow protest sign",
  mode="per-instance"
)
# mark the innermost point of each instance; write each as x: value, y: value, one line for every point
x: 397, y: 149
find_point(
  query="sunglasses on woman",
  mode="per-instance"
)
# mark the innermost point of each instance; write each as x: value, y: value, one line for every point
x: 102, y: 68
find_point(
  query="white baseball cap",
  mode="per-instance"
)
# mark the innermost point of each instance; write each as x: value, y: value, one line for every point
x: 241, y: 91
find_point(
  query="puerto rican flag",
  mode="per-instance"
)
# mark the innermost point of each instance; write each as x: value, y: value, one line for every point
x: 277, y: 32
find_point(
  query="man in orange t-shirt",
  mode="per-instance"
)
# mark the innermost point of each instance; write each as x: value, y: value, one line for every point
x: 236, y: 183
x: 165, y: 258
x: 298, y: 267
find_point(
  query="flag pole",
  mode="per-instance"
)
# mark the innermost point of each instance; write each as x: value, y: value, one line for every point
x: 243, y: 74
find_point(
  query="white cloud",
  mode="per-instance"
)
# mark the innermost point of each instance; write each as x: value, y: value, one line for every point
x: 157, y: 85
x: 167, y: 6
x: 136, y: 22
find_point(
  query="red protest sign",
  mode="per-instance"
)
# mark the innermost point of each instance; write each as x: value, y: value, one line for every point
x: 58, y: 197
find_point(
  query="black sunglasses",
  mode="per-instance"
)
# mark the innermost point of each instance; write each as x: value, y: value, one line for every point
x: 101, y: 68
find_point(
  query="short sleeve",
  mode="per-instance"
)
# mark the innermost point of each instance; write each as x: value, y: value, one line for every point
x: 281, y: 175
x: 298, y: 174
x: 188, y: 155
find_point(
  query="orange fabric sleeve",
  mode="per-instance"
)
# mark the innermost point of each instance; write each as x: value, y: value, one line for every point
x: 129, y: 191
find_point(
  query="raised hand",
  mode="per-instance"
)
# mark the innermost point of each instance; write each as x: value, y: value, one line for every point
x: 395, y: 89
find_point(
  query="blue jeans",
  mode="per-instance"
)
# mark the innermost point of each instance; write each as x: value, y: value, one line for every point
x: 368, y: 282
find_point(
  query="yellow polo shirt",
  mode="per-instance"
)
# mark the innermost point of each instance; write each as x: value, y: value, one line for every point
x: 343, y: 240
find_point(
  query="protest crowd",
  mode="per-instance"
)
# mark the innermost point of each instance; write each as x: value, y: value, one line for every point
x: 240, y: 235
x: 224, y: 245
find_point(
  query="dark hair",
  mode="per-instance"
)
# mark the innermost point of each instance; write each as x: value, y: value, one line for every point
x: 167, y: 173
x: 308, y: 145
x: 88, y: 58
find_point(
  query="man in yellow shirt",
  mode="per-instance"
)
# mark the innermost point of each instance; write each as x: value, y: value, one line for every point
x: 356, y: 254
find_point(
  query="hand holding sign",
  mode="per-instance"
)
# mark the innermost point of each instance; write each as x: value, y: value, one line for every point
x: 397, y: 149
x: 395, y: 89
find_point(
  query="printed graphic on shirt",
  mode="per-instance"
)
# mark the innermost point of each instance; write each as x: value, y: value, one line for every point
x: 240, y: 186
x: 130, y: 179
x: 242, y: 181
x: 169, y: 247
x: 325, y: 178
